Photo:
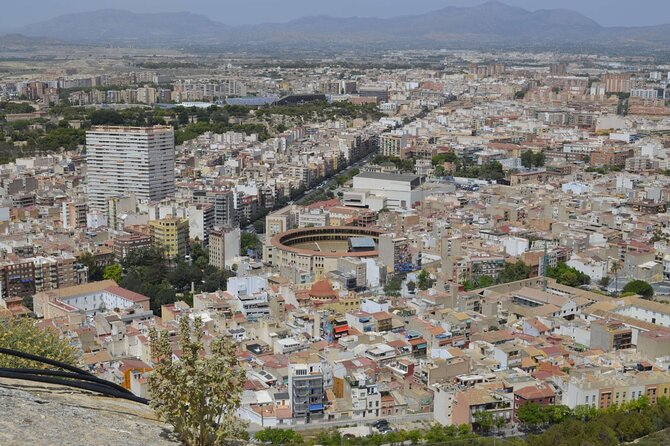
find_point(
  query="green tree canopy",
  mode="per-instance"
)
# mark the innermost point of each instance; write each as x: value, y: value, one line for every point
x: 25, y: 335
x: 531, y: 415
x: 95, y: 272
x: 639, y: 287
x: 567, y: 275
x: 527, y: 159
x: 423, y: 280
x: 249, y: 240
x: 392, y: 288
x: 113, y: 272
x: 512, y: 272
x: 198, y: 394
x: 279, y: 437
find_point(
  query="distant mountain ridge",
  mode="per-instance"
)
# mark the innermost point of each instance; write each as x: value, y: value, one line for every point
x: 490, y: 23
x: 113, y: 25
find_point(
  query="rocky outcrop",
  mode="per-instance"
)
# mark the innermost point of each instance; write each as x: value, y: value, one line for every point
x: 38, y: 414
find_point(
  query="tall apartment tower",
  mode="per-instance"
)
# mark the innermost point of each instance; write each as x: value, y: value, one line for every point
x: 129, y: 160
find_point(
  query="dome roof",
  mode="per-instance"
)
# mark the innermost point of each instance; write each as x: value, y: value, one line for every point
x: 322, y: 289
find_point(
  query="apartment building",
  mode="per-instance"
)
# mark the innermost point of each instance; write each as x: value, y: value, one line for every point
x: 224, y: 205
x: 126, y: 244
x: 617, y: 82
x: 224, y: 246
x: 73, y: 215
x: 171, y: 235
x: 602, y: 387
x: 129, y: 160
x: 306, y: 386
x: 17, y: 279
x: 201, y: 222
x: 609, y: 335
x: 392, y: 144
x: 361, y: 391
x: 54, y: 272
x: 394, y: 253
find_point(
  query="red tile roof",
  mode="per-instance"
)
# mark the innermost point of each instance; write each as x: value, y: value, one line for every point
x: 127, y: 294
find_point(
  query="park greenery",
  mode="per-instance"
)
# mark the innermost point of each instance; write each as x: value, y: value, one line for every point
x: 489, y: 170
x: 479, y: 282
x: 199, y: 395
x: 512, y: 272
x: 56, y: 131
x: 461, y: 435
x: 322, y: 111
x: 148, y: 272
x: 392, y: 287
x: 402, y: 165
x: 566, y: 275
x: 613, y: 426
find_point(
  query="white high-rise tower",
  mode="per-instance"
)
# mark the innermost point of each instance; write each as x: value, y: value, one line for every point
x: 135, y: 161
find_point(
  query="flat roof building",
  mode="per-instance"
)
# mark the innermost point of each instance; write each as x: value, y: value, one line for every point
x: 129, y: 160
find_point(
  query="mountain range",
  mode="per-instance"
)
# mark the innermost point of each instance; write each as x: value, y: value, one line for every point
x: 493, y: 24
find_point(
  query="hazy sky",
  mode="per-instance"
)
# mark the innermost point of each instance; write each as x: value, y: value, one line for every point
x: 14, y: 13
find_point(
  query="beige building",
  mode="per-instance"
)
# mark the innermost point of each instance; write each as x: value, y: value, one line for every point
x: 224, y: 246
x: 87, y: 299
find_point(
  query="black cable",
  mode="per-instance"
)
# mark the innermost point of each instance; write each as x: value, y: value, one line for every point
x: 90, y: 386
x: 59, y: 364
x: 60, y: 373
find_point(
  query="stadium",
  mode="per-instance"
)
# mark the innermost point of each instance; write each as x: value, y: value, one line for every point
x: 317, y: 249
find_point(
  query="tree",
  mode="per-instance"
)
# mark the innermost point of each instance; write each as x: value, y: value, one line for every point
x: 605, y: 281
x: 95, y: 272
x: 106, y: 117
x: 531, y: 415
x: 484, y: 420
x: 199, y: 395
x: 183, y: 275
x: 485, y: 281
x: 392, y: 288
x: 249, y: 241
x: 539, y: 159
x: 639, y: 287
x: 567, y: 275
x: 279, y: 437
x: 423, y: 280
x: 512, y: 272
x: 25, y: 335
x: 448, y: 157
x: 527, y: 159
x: 113, y: 272
x: 479, y: 282
x: 411, y: 286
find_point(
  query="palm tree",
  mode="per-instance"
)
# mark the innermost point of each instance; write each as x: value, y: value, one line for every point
x: 616, y: 266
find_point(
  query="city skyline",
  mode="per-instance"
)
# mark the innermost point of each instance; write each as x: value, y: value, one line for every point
x: 606, y: 13
x: 339, y: 223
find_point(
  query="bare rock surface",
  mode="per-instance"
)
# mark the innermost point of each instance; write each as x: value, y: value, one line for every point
x: 39, y: 414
